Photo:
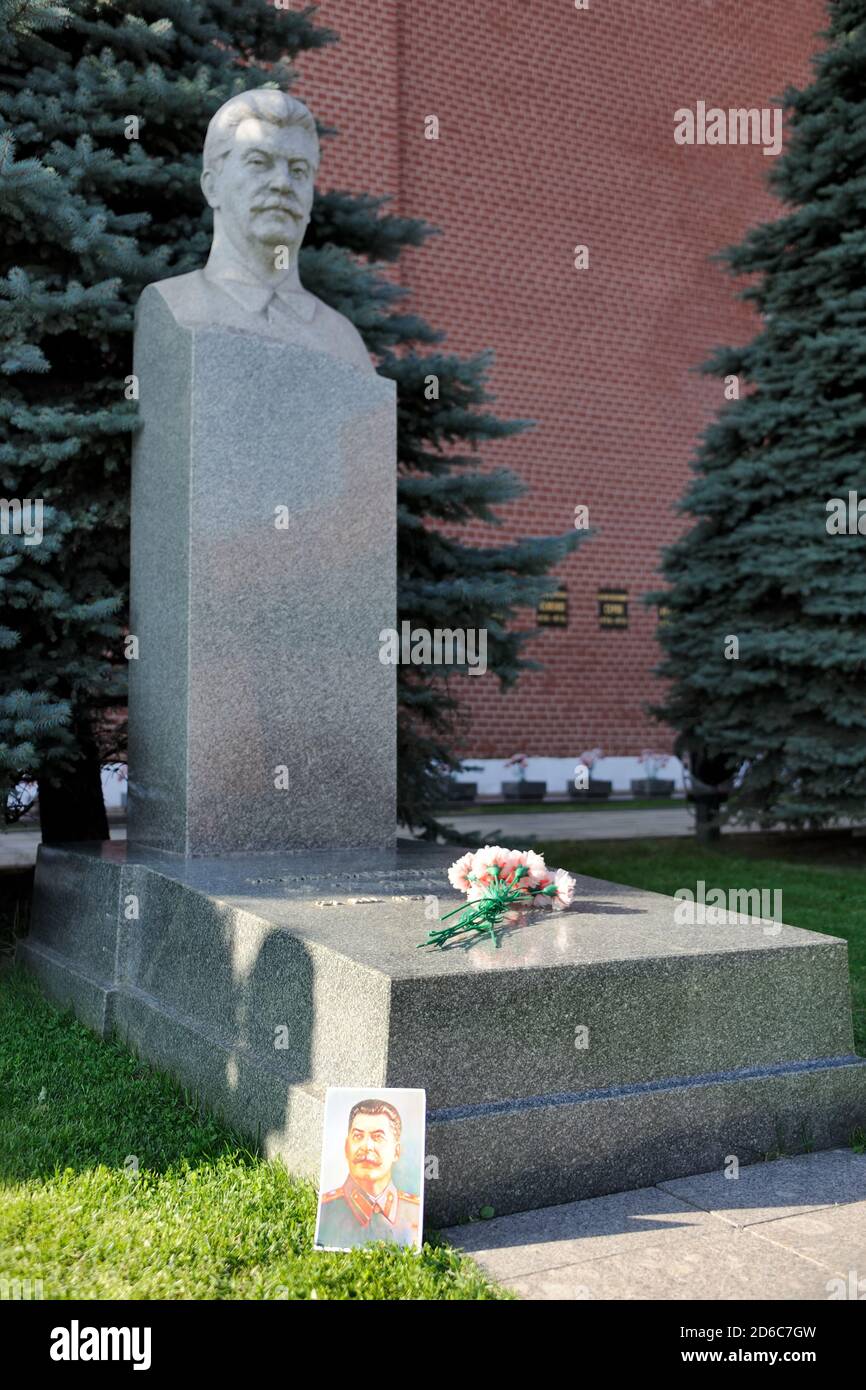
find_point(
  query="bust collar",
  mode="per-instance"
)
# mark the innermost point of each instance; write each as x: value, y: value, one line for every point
x: 237, y: 278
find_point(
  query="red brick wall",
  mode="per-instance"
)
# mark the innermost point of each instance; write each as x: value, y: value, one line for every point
x: 557, y: 129
x: 354, y: 86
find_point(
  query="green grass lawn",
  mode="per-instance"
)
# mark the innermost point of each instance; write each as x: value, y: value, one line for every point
x: 202, y: 1218
x: 822, y: 878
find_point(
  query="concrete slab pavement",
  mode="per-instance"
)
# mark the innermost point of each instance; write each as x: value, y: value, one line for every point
x: 794, y: 1228
x: 573, y: 825
x: 18, y: 847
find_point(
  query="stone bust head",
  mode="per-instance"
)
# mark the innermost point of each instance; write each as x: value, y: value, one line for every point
x: 261, y: 154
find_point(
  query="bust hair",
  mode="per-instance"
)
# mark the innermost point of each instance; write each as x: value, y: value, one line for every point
x: 377, y: 1107
x: 262, y: 104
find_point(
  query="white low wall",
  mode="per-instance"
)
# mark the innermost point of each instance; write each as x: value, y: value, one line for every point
x: 558, y: 772
x: 114, y: 786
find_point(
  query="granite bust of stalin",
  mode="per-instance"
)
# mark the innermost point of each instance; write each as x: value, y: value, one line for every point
x: 261, y: 153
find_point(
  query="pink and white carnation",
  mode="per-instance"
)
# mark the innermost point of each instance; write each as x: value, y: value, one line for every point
x: 499, y: 885
x: 564, y: 887
x: 458, y: 874
x: 515, y: 859
x: 486, y: 860
x: 539, y: 874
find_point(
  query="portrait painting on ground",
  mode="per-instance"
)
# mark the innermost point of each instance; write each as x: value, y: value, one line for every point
x: 372, y: 1174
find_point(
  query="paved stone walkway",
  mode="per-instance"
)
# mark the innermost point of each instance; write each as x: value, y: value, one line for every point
x: 18, y: 847
x: 790, y: 1229
x: 574, y: 825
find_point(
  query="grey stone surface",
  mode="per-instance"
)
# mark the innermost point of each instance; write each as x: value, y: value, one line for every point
x: 259, y: 986
x: 577, y: 1232
x: 480, y: 1025
x: 721, y: 1265
x: 834, y: 1236
x: 652, y: 1245
x: 92, y: 1000
x: 771, y: 1191
x: 215, y: 960
x: 78, y: 919
x: 526, y: 1154
x: 512, y: 1032
x: 258, y: 645
x: 241, y: 1086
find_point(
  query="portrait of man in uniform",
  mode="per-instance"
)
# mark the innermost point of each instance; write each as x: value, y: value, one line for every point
x: 369, y: 1204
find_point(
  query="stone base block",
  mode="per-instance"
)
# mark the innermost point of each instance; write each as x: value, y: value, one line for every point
x: 599, y: 1049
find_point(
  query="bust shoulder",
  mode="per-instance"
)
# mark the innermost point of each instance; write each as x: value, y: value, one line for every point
x: 193, y: 299
x: 181, y: 293
x: 343, y: 333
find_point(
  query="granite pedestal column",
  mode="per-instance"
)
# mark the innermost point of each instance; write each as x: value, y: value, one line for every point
x: 263, y: 570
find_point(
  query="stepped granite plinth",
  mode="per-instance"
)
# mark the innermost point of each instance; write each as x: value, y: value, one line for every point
x: 598, y: 1049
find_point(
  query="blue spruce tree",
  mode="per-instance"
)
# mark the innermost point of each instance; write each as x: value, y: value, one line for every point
x: 761, y: 564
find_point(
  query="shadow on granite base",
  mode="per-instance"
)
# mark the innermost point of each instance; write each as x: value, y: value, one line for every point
x: 257, y: 981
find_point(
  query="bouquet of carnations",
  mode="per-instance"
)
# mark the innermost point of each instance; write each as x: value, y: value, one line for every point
x: 499, y: 884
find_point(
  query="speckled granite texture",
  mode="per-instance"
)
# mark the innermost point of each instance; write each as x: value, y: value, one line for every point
x: 258, y: 642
